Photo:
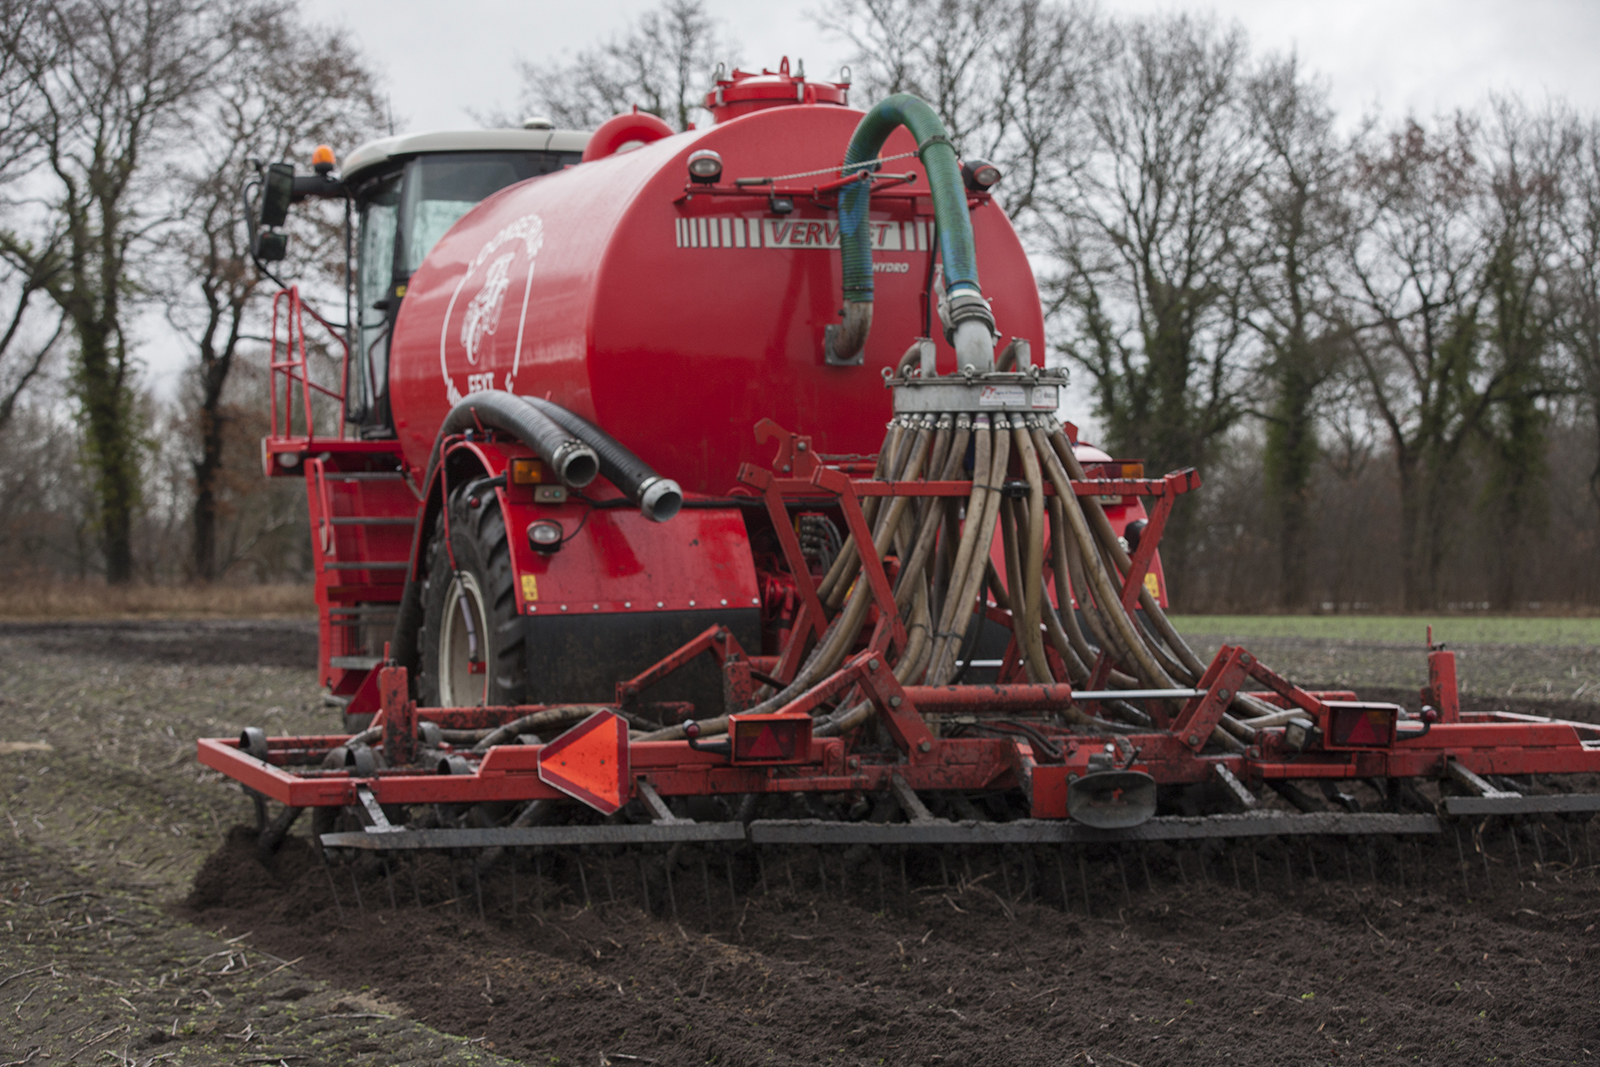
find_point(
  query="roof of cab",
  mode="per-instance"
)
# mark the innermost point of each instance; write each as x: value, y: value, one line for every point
x: 376, y: 153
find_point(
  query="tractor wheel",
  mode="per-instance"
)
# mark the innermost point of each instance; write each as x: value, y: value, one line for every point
x: 471, y: 645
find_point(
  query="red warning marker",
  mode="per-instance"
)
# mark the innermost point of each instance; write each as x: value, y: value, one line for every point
x: 590, y: 762
x: 766, y: 745
x: 1364, y: 730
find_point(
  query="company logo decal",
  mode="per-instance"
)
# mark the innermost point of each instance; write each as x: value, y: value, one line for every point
x: 492, y: 273
x: 727, y: 232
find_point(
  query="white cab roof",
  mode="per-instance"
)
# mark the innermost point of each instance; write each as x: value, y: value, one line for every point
x: 376, y: 153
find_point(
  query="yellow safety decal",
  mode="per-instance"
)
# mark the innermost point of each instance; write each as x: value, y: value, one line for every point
x: 1150, y: 583
x: 530, y: 587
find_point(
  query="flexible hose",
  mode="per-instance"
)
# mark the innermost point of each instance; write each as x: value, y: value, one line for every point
x: 972, y: 324
x: 658, y: 498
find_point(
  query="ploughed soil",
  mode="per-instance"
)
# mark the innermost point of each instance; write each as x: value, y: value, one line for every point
x: 141, y: 927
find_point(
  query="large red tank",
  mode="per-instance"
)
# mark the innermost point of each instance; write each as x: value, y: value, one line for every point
x: 676, y: 315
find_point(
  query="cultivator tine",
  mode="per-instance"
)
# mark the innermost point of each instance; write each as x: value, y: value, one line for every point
x: 672, y: 896
x: 360, y: 904
x: 1255, y: 866
x: 1372, y: 863
x: 822, y: 874
x: 1538, y: 842
x: 388, y: 877
x: 1344, y: 843
x: 1144, y: 862
x: 944, y: 872
x: 1233, y: 858
x: 1061, y: 869
x: 516, y: 857
x: 332, y: 889
x: 1311, y: 860
x: 1516, y: 850
x: 1122, y: 868
x: 761, y: 868
x: 905, y: 884
x: 1461, y: 858
x: 788, y: 865
x: 1183, y: 876
x: 583, y: 880
x: 733, y: 893
x: 605, y: 872
x: 538, y: 882
x: 644, y: 886
x: 477, y: 889
x: 1005, y: 877
x: 705, y: 880
x: 1083, y: 878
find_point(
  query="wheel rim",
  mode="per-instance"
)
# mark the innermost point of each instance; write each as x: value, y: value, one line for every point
x: 464, y: 645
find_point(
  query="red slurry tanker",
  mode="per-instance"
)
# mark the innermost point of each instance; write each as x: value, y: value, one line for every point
x: 725, y: 465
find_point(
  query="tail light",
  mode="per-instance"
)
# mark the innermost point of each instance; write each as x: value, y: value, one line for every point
x: 770, y: 738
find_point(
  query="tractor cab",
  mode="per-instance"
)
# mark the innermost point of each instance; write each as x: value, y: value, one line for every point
x: 403, y: 193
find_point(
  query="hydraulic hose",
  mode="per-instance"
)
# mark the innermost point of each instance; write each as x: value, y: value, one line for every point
x: 658, y: 498
x: 970, y: 322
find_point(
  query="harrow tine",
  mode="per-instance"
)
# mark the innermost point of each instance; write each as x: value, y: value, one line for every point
x: 761, y: 866
x: 1145, y: 863
x: 1461, y: 858
x: 644, y: 885
x: 1349, y: 879
x: 1061, y: 869
x: 538, y: 881
x: 1538, y: 841
x: 477, y: 889
x: 1122, y: 869
x: 388, y: 877
x: 332, y: 889
x: 516, y: 855
x: 1083, y: 876
x: 1516, y: 850
x: 1311, y: 859
x: 1588, y: 843
x: 1372, y: 863
x: 672, y: 896
x: 1233, y: 858
x: 1005, y: 876
x: 705, y: 880
x: 611, y: 893
x: 1288, y: 867
x: 357, y: 887
x: 455, y: 881
x: 822, y: 874
x: 1183, y: 875
x: 788, y: 864
x: 733, y: 894
x: 1400, y: 862
x: 1483, y: 853
x: 905, y: 885
x: 416, y: 888
x: 944, y: 872
x: 583, y: 880
x: 1255, y: 866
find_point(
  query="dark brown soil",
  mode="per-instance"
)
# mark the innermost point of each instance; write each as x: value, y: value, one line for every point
x: 208, y: 643
x: 1271, y: 954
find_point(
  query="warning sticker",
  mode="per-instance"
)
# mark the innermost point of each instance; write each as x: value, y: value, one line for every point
x: 530, y: 587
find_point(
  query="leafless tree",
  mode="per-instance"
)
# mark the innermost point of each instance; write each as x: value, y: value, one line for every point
x: 1415, y: 260
x: 285, y: 88
x: 662, y: 63
x: 1010, y: 78
x: 1302, y: 220
x: 105, y: 84
x: 1152, y: 234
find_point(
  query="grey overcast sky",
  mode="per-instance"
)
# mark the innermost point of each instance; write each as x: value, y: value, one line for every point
x: 441, y: 60
x: 1400, y: 55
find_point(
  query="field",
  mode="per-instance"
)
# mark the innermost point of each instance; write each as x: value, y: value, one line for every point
x: 139, y: 929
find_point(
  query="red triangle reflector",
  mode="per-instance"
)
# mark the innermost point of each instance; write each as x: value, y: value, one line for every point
x: 766, y: 745
x: 590, y: 762
x: 1363, y: 731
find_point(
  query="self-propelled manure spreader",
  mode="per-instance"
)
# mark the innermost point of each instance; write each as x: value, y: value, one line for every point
x: 613, y: 548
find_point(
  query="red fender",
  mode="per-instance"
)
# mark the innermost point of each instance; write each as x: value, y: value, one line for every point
x: 618, y: 130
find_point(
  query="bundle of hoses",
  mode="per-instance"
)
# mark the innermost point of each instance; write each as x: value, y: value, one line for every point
x: 946, y: 576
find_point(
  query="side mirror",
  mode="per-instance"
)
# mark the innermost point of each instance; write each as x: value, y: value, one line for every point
x: 271, y: 247
x: 277, y: 191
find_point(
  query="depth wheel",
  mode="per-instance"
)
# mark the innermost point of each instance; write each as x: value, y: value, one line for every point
x: 471, y: 645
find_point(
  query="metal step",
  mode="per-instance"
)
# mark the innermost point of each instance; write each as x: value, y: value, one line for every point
x: 369, y: 565
x: 354, y: 663
x: 371, y: 520
x: 362, y: 476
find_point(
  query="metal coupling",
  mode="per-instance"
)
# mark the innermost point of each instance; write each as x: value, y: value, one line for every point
x: 660, y: 499
x: 575, y: 463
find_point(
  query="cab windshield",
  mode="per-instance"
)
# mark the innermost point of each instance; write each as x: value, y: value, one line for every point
x: 402, y: 214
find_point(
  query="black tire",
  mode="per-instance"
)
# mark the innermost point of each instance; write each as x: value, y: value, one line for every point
x: 458, y: 602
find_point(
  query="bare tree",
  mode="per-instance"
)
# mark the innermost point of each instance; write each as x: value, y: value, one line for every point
x: 106, y: 82
x: 1580, y: 282
x: 1152, y: 233
x: 1415, y: 260
x: 1302, y: 221
x: 1010, y: 78
x: 286, y: 87
x: 1530, y: 158
x: 663, y: 63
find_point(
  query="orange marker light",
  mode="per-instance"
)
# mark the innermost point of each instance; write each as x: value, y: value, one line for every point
x: 322, y: 159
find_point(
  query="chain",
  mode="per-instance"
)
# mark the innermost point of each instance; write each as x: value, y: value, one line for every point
x: 838, y: 169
